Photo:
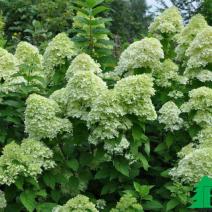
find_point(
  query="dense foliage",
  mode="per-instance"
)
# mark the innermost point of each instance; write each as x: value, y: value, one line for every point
x: 76, y: 136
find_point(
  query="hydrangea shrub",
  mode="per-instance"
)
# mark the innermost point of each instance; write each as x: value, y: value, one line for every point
x: 75, y: 137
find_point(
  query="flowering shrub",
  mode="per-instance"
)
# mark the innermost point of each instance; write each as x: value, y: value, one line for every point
x: 134, y: 139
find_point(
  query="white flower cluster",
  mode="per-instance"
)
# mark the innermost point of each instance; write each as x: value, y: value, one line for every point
x: 8, y: 68
x: 106, y: 117
x: 31, y: 62
x: 166, y: 74
x: 175, y: 94
x: 187, y: 35
x: 195, y: 164
x: 205, y: 135
x: 27, y: 160
x: 128, y: 203
x: 28, y: 54
x: 83, y: 88
x: 41, y: 118
x: 131, y: 95
x: 169, y: 116
x: 201, y: 102
x: 117, y: 148
x: 86, y: 96
x: 80, y: 203
x: 169, y: 22
x: 3, y: 202
x: 134, y: 95
x: 8, y: 64
x: 60, y: 49
x: 145, y: 53
x: 200, y: 55
x: 83, y: 62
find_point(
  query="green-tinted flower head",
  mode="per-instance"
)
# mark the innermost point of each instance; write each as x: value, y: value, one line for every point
x: 58, y: 51
x: 193, y: 166
x: 83, y: 88
x: 128, y: 203
x: 83, y: 62
x: 134, y: 93
x: 107, y: 117
x: 145, y: 53
x: 200, y: 100
x: 28, y: 54
x: 42, y: 118
x: 166, y: 73
x: 169, y: 22
x: 189, y: 32
x: 8, y: 64
x: 3, y: 202
x: 79, y: 203
x: 199, y: 53
x: 26, y: 160
x: 169, y: 116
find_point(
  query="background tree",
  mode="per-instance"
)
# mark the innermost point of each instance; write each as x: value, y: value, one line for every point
x: 35, y: 20
x: 189, y: 8
x: 130, y: 20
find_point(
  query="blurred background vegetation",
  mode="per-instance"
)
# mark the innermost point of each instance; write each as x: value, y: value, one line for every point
x: 38, y: 21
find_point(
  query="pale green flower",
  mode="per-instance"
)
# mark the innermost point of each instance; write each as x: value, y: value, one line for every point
x: 204, y: 75
x: 42, y: 118
x: 80, y: 203
x: 58, y: 51
x: 28, y: 54
x: 169, y: 22
x: 134, y: 93
x: 175, y: 94
x: 140, y: 54
x: 30, y: 61
x: 83, y: 62
x: 205, y: 135
x: 8, y: 64
x: 26, y: 160
x: 106, y: 117
x: 3, y: 202
x: 199, y: 53
x: 82, y: 90
x: 127, y: 203
x: 189, y: 32
x: 200, y: 99
x: 193, y: 166
x: 169, y: 116
x: 166, y: 73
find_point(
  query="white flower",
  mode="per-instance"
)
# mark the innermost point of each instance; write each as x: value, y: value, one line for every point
x: 169, y: 116
x: 169, y: 22
x: 145, y: 53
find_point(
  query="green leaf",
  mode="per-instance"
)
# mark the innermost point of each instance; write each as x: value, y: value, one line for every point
x: 73, y: 164
x: 46, y: 207
x: 93, y: 3
x: 98, y: 10
x: 102, y: 174
x: 55, y: 195
x: 169, y: 140
x: 144, y: 162
x: 108, y: 188
x: 151, y: 205
x: 41, y: 193
x: 160, y: 148
x: 147, y: 148
x: 49, y: 180
x: 19, y: 183
x: 122, y: 166
x: 171, y: 204
x: 28, y: 200
x: 143, y: 190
